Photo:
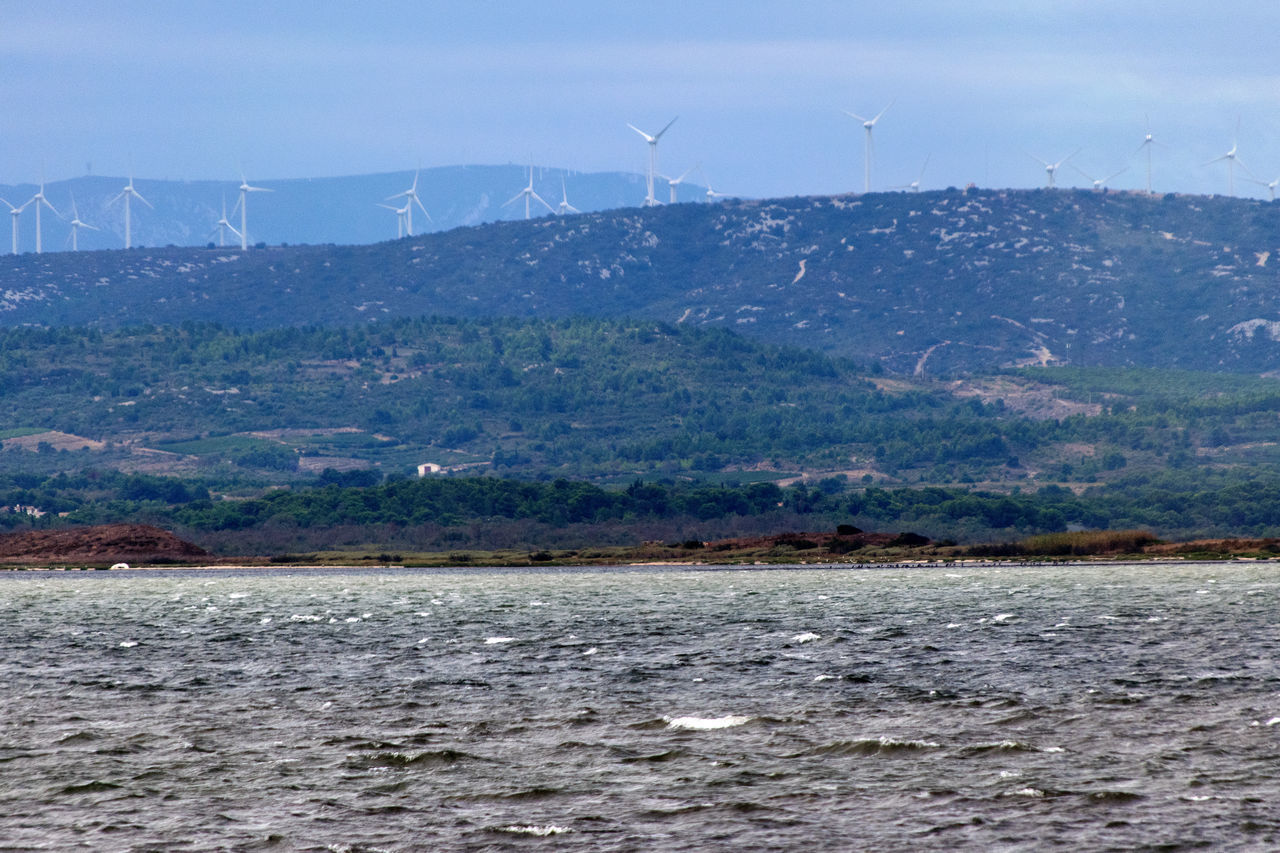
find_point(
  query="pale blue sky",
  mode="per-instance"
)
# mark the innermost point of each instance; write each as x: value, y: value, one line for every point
x: 193, y: 89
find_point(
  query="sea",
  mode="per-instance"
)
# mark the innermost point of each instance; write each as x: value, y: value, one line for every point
x: 963, y: 707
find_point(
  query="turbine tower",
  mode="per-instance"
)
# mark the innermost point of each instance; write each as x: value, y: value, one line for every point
x: 564, y: 207
x: 1051, y: 168
x: 402, y: 216
x: 1147, y: 142
x: 223, y: 225
x: 245, y: 189
x: 1231, y: 158
x: 411, y: 198
x: 76, y: 225
x: 528, y: 193
x: 869, y: 124
x: 672, y: 183
x: 40, y: 201
x: 129, y: 193
x: 1099, y: 184
x: 652, y: 139
x: 16, y: 212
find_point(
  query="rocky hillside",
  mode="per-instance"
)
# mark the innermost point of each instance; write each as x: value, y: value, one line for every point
x: 925, y: 283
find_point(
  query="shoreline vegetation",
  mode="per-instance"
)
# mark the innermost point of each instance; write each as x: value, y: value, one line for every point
x: 135, y: 547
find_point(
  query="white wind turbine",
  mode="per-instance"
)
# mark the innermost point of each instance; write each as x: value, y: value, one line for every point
x: 869, y: 124
x: 652, y: 139
x: 1270, y: 185
x: 914, y: 186
x: 411, y: 198
x: 40, y: 201
x: 223, y: 226
x: 245, y: 189
x: 1232, y: 159
x: 129, y: 193
x: 1051, y: 168
x: 76, y: 225
x: 672, y: 183
x: 1099, y: 184
x: 564, y: 207
x: 528, y: 193
x: 1147, y: 142
x: 15, y: 212
x: 402, y: 216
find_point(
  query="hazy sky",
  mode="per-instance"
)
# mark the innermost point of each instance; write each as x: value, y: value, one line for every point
x: 298, y: 88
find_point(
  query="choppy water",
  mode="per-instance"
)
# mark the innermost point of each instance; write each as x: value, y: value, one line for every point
x: 1112, y: 707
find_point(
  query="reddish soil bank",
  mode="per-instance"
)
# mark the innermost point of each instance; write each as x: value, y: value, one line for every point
x: 106, y: 543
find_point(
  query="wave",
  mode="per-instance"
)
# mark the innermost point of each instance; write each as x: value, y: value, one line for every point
x: 703, y: 724
x: 872, y: 746
x: 393, y: 759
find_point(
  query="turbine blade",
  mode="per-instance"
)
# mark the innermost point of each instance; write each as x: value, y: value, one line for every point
x: 647, y: 137
x: 138, y: 195
x: 514, y: 198
x: 853, y: 115
x: 1038, y: 160
x: 418, y: 202
x: 533, y: 194
x: 658, y: 135
x: 883, y: 111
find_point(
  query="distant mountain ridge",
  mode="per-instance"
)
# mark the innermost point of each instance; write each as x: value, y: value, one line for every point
x: 922, y: 282
x: 342, y: 210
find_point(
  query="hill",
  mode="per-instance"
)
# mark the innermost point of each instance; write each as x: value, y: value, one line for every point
x: 927, y: 283
x: 583, y: 398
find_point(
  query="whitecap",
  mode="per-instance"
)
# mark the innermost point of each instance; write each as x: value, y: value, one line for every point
x: 707, y: 723
x: 265, y: 620
x: 591, y: 651
x: 806, y: 637
x: 1026, y: 792
x: 238, y: 595
x: 494, y: 641
x: 128, y: 644
x: 1273, y: 721
x: 351, y: 619
x: 823, y: 677
x: 549, y: 829
x: 303, y: 617
x: 1002, y: 617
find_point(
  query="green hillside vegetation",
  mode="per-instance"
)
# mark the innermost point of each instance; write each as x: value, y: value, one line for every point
x: 590, y: 399
x: 935, y: 283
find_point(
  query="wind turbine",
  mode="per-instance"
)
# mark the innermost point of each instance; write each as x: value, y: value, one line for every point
x: 914, y: 186
x: 76, y: 225
x: 1099, y: 184
x: 1147, y: 142
x: 564, y: 206
x: 127, y: 194
x: 402, y: 216
x: 223, y: 225
x: 16, y: 212
x: 40, y: 201
x: 1051, y: 168
x: 869, y: 124
x: 528, y: 193
x: 1270, y: 185
x: 1231, y: 159
x: 672, y: 183
x: 411, y: 198
x: 245, y: 189
x: 652, y: 139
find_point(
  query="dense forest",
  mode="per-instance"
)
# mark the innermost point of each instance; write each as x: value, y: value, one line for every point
x: 488, y: 512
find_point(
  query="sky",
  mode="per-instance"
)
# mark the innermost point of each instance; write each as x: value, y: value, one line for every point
x: 978, y: 90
